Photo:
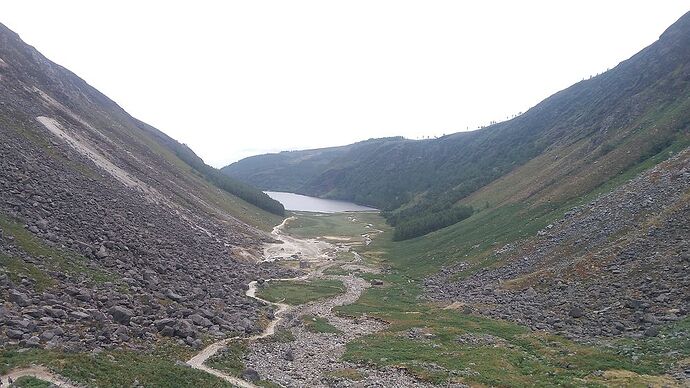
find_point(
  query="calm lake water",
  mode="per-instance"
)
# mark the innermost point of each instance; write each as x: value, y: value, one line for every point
x: 304, y: 203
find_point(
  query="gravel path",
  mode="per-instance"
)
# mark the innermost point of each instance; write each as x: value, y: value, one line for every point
x: 38, y: 372
x: 310, y: 359
x: 200, y: 358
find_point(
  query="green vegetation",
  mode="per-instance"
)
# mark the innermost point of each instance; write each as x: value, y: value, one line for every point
x: 336, y: 270
x: 451, y: 345
x: 281, y: 335
x: 318, y: 325
x: 248, y: 193
x: 117, y: 368
x: 230, y: 359
x: 560, y: 142
x: 431, y: 222
x: 53, y: 259
x: 31, y: 382
x: 17, y: 269
x: 300, y: 292
x: 673, y: 341
x: 475, y: 350
x: 346, y: 225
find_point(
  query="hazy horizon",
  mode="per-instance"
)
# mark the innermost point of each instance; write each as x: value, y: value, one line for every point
x: 236, y: 79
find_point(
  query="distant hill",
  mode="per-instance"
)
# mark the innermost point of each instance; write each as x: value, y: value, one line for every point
x: 613, y: 122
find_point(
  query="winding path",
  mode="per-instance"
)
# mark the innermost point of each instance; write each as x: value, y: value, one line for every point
x: 38, y: 372
x: 314, y: 248
x: 311, y: 357
x: 315, y: 354
x: 200, y: 358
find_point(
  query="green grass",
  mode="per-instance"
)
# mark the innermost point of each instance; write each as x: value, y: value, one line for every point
x: 54, y: 259
x: 31, y: 382
x: 117, y: 368
x: 316, y: 324
x: 349, y: 225
x: 281, y: 335
x: 673, y: 341
x: 519, y: 357
x: 230, y: 359
x: 336, y: 270
x: 475, y: 239
x: 300, y: 292
x: 516, y: 356
x: 17, y: 269
x: 471, y: 240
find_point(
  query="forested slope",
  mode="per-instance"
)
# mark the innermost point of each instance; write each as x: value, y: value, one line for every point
x: 621, y: 117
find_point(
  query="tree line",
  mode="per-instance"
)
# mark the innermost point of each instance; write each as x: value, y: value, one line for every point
x: 248, y: 193
x: 430, y: 222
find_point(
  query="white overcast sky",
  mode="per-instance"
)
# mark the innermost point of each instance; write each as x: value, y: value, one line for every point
x: 239, y: 78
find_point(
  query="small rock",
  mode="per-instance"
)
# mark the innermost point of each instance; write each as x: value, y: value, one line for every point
x: 121, y: 314
x: 576, y: 312
x: 80, y: 315
x: 102, y: 253
x: 172, y: 295
x: 530, y: 293
x: 55, y: 313
x: 14, y: 334
x: 33, y: 342
x: 200, y: 321
x: 251, y: 375
x: 184, y: 328
x: 19, y: 298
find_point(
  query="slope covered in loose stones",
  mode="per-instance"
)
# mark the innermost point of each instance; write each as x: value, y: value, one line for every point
x: 106, y: 237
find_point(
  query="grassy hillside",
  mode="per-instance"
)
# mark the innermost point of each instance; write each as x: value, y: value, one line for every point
x: 461, y: 345
x: 445, y: 343
x: 241, y: 190
x: 616, y: 119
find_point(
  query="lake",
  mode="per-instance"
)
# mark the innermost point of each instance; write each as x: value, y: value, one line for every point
x: 305, y: 203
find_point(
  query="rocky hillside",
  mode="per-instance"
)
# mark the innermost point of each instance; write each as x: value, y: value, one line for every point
x: 107, y: 236
x: 618, y: 265
x: 615, y: 120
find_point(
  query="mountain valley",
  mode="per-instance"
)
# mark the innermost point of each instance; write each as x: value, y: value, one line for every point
x: 552, y: 249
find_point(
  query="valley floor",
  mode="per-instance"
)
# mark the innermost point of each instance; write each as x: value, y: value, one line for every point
x: 355, y: 320
x: 383, y: 331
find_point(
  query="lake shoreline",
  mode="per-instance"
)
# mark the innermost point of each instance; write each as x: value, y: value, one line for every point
x: 304, y: 203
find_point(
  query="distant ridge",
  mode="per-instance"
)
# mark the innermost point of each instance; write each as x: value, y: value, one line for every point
x: 616, y: 120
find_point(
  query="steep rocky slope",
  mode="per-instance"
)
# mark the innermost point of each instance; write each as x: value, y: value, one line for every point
x: 619, y: 265
x: 615, y: 120
x: 107, y: 237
